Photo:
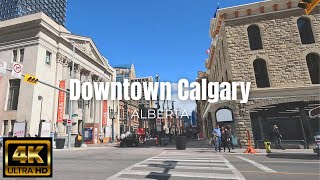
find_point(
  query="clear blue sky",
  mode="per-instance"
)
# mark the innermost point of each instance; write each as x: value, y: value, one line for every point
x: 165, y: 37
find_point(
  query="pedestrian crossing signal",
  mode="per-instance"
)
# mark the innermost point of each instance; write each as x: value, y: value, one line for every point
x: 308, y: 5
x: 30, y: 79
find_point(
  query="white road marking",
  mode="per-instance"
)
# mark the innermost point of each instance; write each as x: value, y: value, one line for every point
x: 169, y: 164
x: 183, y: 174
x: 258, y: 165
x: 293, y: 162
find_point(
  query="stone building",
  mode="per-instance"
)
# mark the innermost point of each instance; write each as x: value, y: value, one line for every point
x: 47, y: 50
x: 276, y: 47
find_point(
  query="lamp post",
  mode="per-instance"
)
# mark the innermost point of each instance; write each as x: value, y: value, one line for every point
x: 113, y: 115
x: 40, y: 98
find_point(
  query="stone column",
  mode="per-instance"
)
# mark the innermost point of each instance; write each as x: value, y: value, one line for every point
x: 59, y: 68
x: 65, y: 76
x: 75, y: 108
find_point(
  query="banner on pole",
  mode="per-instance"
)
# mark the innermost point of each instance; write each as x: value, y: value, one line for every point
x: 19, y: 129
x: 105, y: 113
x: 62, y: 85
x: 16, y: 70
x: 3, y: 67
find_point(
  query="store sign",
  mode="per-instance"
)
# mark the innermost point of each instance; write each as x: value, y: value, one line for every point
x: 62, y: 85
x: 105, y: 113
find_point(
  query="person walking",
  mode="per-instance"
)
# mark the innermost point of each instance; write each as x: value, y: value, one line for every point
x: 217, y: 137
x: 277, y: 137
x: 225, y: 139
x: 231, y: 136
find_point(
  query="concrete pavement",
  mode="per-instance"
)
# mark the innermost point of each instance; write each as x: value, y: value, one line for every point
x: 100, y: 162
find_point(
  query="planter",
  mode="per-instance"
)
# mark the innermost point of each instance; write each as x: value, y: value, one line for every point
x: 60, y: 143
x: 181, y: 142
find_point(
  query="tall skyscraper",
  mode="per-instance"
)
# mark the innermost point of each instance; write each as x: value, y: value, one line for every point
x: 55, y: 9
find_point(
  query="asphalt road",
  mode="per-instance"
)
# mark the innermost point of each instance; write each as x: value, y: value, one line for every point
x: 167, y: 163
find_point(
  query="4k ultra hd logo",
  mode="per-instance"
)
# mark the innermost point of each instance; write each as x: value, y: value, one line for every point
x: 27, y: 157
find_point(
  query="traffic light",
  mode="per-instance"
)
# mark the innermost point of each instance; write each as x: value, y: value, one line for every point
x: 30, y: 79
x: 65, y: 122
x: 308, y: 5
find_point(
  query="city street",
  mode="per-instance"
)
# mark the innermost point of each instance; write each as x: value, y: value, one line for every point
x: 167, y: 163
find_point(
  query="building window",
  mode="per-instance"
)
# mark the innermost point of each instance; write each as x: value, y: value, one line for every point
x: 15, y: 55
x: 261, y: 73
x: 48, y: 57
x: 5, y: 127
x: 13, y: 94
x: 313, y: 62
x: 12, y: 125
x: 254, y: 37
x: 21, y: 55
x: 305, y: 31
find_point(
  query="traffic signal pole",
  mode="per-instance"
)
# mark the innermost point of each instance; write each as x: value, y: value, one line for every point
x: 308, y: 5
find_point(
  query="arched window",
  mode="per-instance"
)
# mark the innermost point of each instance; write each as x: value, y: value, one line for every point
x: 261, y: 73
x: 224, y: 115
x: 305, y: 30
x: 254, y: 37
x: 313, y: 62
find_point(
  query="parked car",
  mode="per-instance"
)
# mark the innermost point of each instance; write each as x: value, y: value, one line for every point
x: 129, y: 139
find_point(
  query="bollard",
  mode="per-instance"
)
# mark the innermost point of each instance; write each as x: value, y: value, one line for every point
x: 267, y: 145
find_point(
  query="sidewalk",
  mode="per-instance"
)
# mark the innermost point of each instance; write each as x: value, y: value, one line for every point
x: 88, y: 147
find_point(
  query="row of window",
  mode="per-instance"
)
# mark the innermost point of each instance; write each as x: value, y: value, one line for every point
x: 304, y: 27
x: 18, y: 56
x: 262, y: 77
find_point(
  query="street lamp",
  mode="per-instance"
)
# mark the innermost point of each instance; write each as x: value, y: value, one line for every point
x: 40, y: 98
x: 113, y: 115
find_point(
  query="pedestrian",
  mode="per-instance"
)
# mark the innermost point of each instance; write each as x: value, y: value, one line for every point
x: 217, y: 137
x: 277, y: 137
x: 225, y: 139
x: 231, y: 136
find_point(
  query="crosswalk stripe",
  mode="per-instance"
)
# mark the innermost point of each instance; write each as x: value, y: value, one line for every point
x: 183, y: 174
x: 260, y: 166
x: 169, y: 164
x: 190, y: 163
x: 184, y: 167
x: 187, y: 160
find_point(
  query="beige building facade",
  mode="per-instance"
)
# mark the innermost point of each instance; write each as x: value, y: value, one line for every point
x: 276, y: 47
x: 45, y: 49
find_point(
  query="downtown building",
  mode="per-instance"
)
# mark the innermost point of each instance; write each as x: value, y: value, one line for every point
x: 55, y: 9
x: 47, y: 51
x: 276, y: 47
x: 128, y: 108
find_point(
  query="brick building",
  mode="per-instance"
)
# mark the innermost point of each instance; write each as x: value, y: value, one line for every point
x: 276, y: 47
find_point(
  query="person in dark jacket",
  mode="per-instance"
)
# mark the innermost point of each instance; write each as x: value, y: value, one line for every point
x: 231, y: 137
x: 225, y: 138
x: 277, y: 136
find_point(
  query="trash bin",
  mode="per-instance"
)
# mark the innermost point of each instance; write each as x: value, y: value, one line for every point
x: 60, y: 143
x: 181, y: 142
x: 267, y: 146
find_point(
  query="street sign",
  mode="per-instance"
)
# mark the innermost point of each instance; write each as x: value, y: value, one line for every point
x: 74, y: 115
x: 16, y: 70
x: 3, y: 67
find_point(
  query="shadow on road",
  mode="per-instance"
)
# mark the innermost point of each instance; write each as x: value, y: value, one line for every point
x: 294, y: 156
x: 167, y: 166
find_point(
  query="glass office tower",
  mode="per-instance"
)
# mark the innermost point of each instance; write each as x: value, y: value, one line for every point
x: 55, y: 9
